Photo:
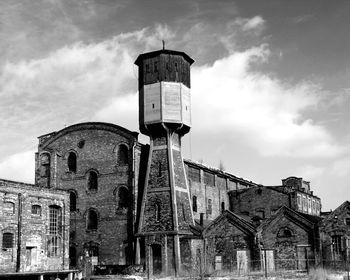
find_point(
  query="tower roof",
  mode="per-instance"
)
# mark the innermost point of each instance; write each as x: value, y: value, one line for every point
x: 164, y: 51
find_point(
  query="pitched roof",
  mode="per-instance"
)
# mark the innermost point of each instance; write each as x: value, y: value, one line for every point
x: 299, y: 218
x: 234, y: 219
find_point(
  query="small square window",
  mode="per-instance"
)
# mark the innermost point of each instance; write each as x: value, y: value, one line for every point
x: 36, y: 210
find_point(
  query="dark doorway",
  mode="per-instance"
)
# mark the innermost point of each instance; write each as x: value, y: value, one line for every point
x: 157, y: 259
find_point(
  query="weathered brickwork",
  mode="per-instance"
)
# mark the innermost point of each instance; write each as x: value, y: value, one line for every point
x: 265, y: 201
x: 292, y: 237
x: 29, y: 239
x: 108, y: 151
x: 258, y: 201
x: 227, y: 237
x: 335, y: 233
x: 213, y: 190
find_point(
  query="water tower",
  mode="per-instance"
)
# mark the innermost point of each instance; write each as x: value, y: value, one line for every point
x: 165, y: 116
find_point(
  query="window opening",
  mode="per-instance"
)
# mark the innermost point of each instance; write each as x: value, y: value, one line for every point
x: 36, y: 210
x: 123, y: 154
x: 9, y: 207
x: 157, y: 211
x: 7, y: 240
x: 222, y: 206
x: 209, y: 209
x: 92, y: 181
x: 123, y: 195
x: 194, y: 203
x: 92, y: 220
x: 72, y: 162
x: 55, y: 227
x: 72, y: 201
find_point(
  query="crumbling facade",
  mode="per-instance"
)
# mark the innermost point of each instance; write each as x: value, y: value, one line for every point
x: 124, y: 203
x: 34, y: 229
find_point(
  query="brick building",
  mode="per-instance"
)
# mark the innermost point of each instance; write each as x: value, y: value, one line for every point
x: 335, y: 236
x: 263, y: 201
x: 131, y: 203
x: 34, y: 229
x: 98, y: 164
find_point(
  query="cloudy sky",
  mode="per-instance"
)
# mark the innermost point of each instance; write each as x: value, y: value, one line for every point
x: 270, y: 85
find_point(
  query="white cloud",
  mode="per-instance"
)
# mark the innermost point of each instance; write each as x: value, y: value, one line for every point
x: 261, y: 111
x: 19, y: 167
x: 249, y: 24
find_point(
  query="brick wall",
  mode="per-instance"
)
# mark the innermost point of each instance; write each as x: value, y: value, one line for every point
x: 97, y: 147
x: 33, y: 238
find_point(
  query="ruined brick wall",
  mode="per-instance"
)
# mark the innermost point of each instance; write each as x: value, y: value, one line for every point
x: 285, y: 246
x: 258, y: 201
x: 211, y: 184
x: 34, y: 236
x: 225, y: 240
x: 96, y: 146
x: 335, y: 228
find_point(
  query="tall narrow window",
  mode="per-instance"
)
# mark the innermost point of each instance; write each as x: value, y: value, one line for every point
x: 222, y: 206
x: 209, y: 207
x: 159, y: 169
x: 7, y: 241
x: 183, y: 212
x: 72, y: 162
x: 45, y: 165
x: 55, y: 228
x: 92, y: 181
x: 157, y: 211
x: 72, y: 201
x: 123, y: 198
x: 92, y: 220
x: 123, y: 154
x: 194, y: 203
x: 336, y: 242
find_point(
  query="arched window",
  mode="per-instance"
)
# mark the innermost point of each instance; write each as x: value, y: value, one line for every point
x: 157, y: 211
x: 92, y: 220
x: 123, y: 198
x: 194, y: 203
x: 72, y: 201
x: 285, y: 232
x: 123, y: 154
x: 92, y: 181
x: 9, y: 207
x: 72, y: 162
x: 45, y: 165
x: 36, y: 210
x: 7, y: 240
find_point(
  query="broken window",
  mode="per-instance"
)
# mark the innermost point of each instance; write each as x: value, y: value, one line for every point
x: 123, y: 154
x: 194, y: 203
x: 36, y: 210
x: 123, y: 198
x: 92, y: 181
x: 72, y: 162
x: 92, y: 220
x: 72, y: 201
x: 7, y: 240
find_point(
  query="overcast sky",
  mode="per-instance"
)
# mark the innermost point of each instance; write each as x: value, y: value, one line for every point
x: 270, y: 85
